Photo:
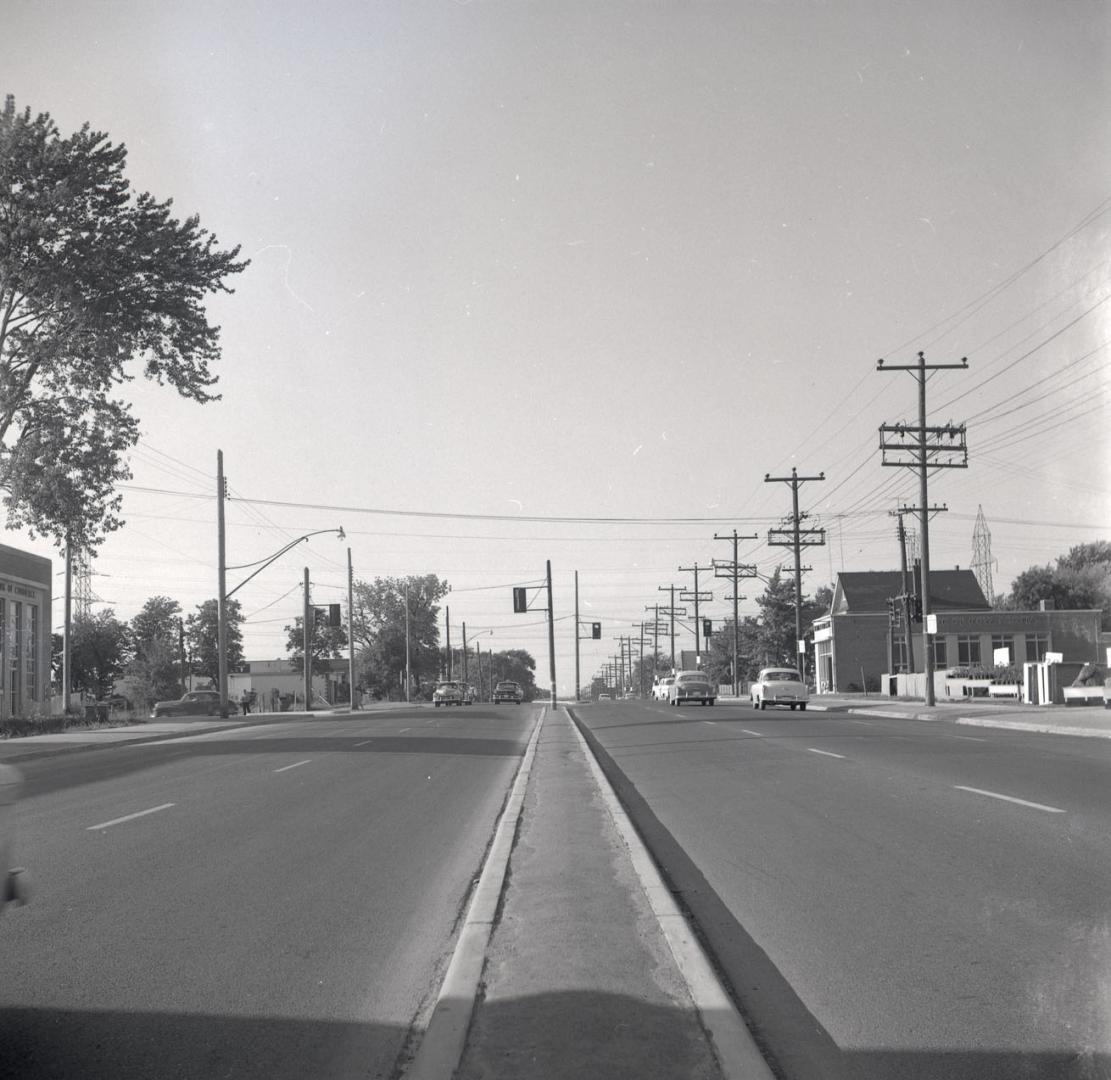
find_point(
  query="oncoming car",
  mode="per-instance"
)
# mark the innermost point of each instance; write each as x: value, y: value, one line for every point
x: 507, y: 690
x: 691, y: 686
x: 779, y: 686
x: 448, y: 693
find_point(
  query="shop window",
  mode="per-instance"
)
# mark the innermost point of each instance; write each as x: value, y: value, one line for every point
x: 941, y: 654
x: 968, y: 649
x: 1004, y: 641
x: 1037, y: 645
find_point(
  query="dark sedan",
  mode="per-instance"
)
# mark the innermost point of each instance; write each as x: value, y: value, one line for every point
x: 194, y: 703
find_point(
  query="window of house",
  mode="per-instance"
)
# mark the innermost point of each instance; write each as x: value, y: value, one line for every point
x: 968, y: 649
x: 1037, y: 645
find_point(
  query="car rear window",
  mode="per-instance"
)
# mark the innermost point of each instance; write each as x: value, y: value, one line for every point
x: 784, y: 676
x: 693, y: 679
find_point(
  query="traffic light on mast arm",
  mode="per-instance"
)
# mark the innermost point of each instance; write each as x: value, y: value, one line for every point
x: 520, y: 600
x: 596, y: 631
x: 707, y: 628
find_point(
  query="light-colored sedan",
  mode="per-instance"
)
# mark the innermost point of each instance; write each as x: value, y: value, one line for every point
x: 691, y: 686
x: 661, y: 690
x: 779, y: 686
x: 447, y: 693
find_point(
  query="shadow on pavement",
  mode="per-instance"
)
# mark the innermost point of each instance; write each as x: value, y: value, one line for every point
x: 547, y: 1037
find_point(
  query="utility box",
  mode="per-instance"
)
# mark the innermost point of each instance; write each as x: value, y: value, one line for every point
x: 1039, y: 683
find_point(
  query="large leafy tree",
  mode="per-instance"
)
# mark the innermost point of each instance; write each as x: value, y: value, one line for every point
x: 515, y: 664
x: 325, y: 643
x: 379, y: 629
x: 154, y: 671
x: 1081, y: 578
x: 99, y: 652
x: 96, y: 284
x: 202, y: 636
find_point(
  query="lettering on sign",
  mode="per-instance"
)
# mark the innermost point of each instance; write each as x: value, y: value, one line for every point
x: 17, y: 590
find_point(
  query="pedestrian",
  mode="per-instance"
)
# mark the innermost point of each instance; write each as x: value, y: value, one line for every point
x: 245, y: 702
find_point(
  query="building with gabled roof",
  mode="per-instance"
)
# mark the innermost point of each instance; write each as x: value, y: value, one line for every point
x: 863, y: 637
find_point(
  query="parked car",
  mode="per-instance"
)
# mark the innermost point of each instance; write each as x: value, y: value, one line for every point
x: 779, y: 686
x: 510, y: 691
x: 605, y: 697
x: 469, y: 695
x: 12, y: 880
x: 447, y: 693
x: 193, y: 703
x: 661, y: 688
x: 691, y: 686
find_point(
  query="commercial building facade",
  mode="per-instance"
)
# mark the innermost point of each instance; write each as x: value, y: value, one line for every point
x: 859, y: 642
x: 25, y: 628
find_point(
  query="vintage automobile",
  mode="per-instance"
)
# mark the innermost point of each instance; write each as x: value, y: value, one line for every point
x: 13, y: 888
x: 469, y: 695
x: 507, y: 690
x: 779, y: 686
x: 193, y: 703
x: 448, y: 692
x: 662, y: 687
x: 691, y: 686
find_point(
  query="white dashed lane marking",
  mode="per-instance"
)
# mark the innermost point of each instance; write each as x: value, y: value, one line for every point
x: 1011, y: 799
x: 825, y: 753
x: 295, y: 765
x: 131, y: 817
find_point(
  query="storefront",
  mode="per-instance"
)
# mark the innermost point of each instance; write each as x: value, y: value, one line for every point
x: 25, y: 626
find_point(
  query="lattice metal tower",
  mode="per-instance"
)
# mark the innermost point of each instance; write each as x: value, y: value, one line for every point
x: 83, y: 597
x: 981, y: 555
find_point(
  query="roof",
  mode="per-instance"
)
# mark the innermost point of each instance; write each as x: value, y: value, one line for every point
x: 867, y: 592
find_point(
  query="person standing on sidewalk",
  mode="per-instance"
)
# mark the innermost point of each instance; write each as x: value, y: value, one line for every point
x: 245, y: 701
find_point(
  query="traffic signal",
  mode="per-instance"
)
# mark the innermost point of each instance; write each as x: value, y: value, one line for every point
x: 916, y: 607
x: 596, y: 630
x: 520, y: 600
x: 333, y: 615
x: 707, y: 627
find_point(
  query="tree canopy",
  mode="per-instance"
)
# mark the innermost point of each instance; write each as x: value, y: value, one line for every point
x: 94, y: 282
x: 98, y: 652
x: 1081, y: 578
x: 202, y: 636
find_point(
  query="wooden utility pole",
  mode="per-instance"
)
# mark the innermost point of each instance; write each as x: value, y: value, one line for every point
x: 308, y: 620
x: 735, y: 571
x: 222, y: 587
x: 910, y: 447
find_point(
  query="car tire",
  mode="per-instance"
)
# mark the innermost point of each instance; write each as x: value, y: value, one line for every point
x: 802, y: 707
x: 792, y: 706
x: 761, y: 704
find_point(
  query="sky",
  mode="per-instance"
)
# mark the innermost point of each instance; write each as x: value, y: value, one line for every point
x: 565, y: 281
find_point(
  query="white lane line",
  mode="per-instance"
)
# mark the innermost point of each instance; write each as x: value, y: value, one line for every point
x: 866, y: 723
x: 404, y: 729
x: 748, y: 731
x: 825, y: 753
x: 131, y: 817
x: 711, y: 722
x: 967, y: 738
x: 295, y: 765
x: 364, y: 742
x: 1011, y: 799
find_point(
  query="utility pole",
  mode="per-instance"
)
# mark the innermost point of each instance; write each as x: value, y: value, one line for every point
x: 464, y: 650
x: 309, y: 624
x: 447, y: 620
x: 408, y: 673
x: 222, y: 586
x: 576, y: 635
x: 696, y: 596
x: 670, y: 610
x: 735, y: 571
x: 67, y: 640
x: 350, y: 633
x: 799, y: 538
x: 181, y: 654
x: 551, y: 634
x: 910, y: 447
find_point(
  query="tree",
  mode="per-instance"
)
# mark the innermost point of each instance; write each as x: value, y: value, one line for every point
x: 202, y: 637
x: 1080, y: 579
x: 94, y: 282
x: 516, y: 665
x: 99, y: 648
x: 154, y: 671
x: 325, y: 643
x: 379, y: 629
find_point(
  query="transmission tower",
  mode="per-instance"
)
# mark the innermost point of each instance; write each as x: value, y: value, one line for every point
x: 981, y: 555
x: 83, y: 597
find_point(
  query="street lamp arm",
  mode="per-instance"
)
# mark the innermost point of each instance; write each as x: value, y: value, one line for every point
x: 273, y: 558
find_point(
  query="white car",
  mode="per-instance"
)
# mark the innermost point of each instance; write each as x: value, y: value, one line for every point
x: 447, y: 693
x: 662, y: 687
x: 779, y: 686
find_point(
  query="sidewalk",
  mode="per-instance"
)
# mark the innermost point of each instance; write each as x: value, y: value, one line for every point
x: 579, y: 980
x: 1092, y: 721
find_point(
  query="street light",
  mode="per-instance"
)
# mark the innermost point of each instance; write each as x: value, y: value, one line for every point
x: 225, y: 596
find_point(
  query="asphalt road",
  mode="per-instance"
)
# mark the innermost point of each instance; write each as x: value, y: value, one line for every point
x: 886, y: 898
x: 274, y: 901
